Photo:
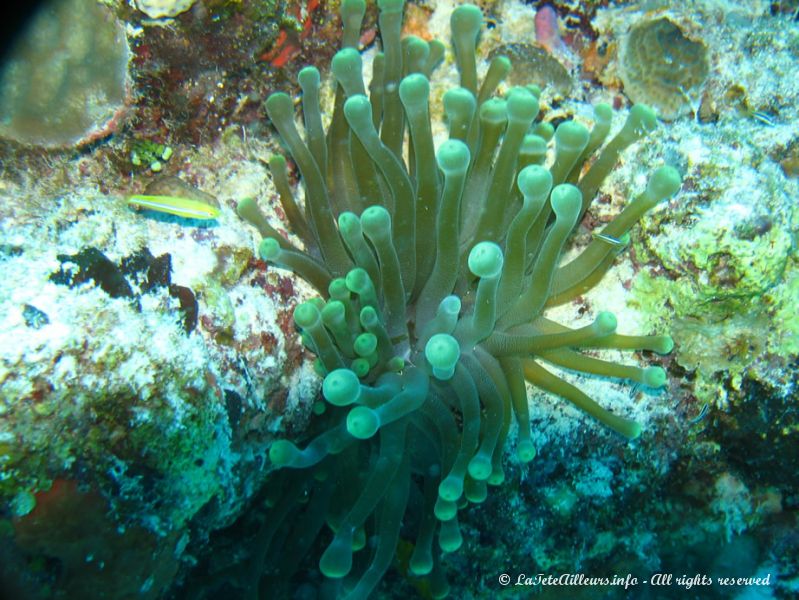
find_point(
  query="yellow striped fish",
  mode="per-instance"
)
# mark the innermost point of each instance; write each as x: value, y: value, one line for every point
x: 175, y: 205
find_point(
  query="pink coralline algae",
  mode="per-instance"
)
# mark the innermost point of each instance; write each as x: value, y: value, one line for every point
x: 547, y: 33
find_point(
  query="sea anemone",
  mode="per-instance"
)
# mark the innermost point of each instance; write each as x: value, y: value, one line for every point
x: 430, y: 319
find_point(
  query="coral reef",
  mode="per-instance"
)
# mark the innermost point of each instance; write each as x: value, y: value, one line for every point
x: 148, y: 360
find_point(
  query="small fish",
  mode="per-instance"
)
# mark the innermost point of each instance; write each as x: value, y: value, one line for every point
x: 616, y: 243
x: 701, y: 415
x: 763, y: 117
x: 175, y: 205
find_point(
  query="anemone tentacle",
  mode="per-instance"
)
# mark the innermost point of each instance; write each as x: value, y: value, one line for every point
x: 435, y: 277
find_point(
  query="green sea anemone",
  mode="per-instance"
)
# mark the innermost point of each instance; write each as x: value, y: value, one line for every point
x: 435, y: 268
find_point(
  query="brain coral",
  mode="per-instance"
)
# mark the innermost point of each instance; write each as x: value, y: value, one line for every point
x: 660, y: 66
x: 430, y: 318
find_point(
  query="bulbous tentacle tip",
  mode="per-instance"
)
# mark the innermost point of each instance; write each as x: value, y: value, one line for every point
x: 654, y: 377
x: 641, y: 120
x: 344, y: 57
x: 450, y: 305
x: 341, y: 387
x: 466, y: 19
x: 522, y: 104
x: 344, y: 62
x: 282, y: 453
x: 349, y: 223
x: 444, y: 510
x: 306, y: 315
x: 480, y: 467
x: 504, y: 65
x: 525, y: 451
x: 605, y: 323
x: 360, y: 366
x: 450, y: 541
x: 452, y: 156
x: 603, y: 113
x: 246, y: 205
x: 359, y: 539
x: 450, y: 489
x: 333, y: 311
x: 624, y: 242
x: 571, y: 136
x: 421, y: 566
x: 279, y: 105
x: 358, y: 111
x: 534, y: 89
x: 459, y: 102
x: 336, y: 560
x: 664, y: 344
x: 494, y: 111
x: 664, y: 183
x: 368, y: 316
x: 534, y: 181
x: 534, y: 146
x: 277, y: 161
x: 375, y: 221
x: 396, y: 364
x: 442, y: 352
x: 357, y: 279
x: 567, y: 201
x: 414, y: 89
x: 308, y: 77
x: 633, y: 431
x: 363, y: 422
x: 365, y: 344
x: 497, y: 477
x: 485, y: 260
x: 269, y: 249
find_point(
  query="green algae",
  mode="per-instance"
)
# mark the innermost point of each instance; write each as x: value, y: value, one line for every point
x: 730, y: 295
